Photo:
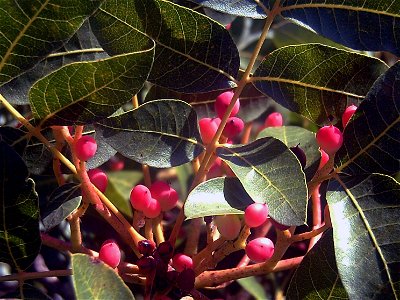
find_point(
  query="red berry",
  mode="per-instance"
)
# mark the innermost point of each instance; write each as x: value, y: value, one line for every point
x: 164, y: 194
x: 110, y: 254
x: 181, y: 262
x: 146, y: 247
x: 140, y: 197
x: 186, y: 279
x: 256, y: 214
x: 146, y: 265
x: 153, y: 209
x: 116, y: 164
x: 330, y: 139
x: 165, y: 251
x: 85, y: 147
x: 208, y: 128
x: 279, y: 226
x: 228, y: 226
x: 301, y: 156
x: 233, y: 127
x: 324, y: 159
x: 348, y: 113
x: 260, y: 249
x: 215, y: 169
x: 273, y: 120
x: 222, y: 102
x: 98, y: 178
x: 228, y: 26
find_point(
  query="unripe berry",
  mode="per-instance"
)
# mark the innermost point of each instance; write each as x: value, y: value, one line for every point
x: 324, y: 159
x: 273, y: 120
x: 301, y: 156
x: 208, y: 127
x: 146, y: 247
x: 233, y: 127
x: 164, y: 194
x: 330, y: 139
x: 348, y: 113
x: 110, y: 254
x: 256, y: 214
x: 260, y: 249
x: 222, y: 102
x: 153, y: 209
x: 228, y: 226
x: 146, y: 265
x: 85, y: 147
x: 181, y: 262
x: 140, y: 197
x: 98, y: 178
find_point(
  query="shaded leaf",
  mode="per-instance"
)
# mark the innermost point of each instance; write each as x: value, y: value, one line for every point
x: 93, y: 279
x: 243, y: 8
x: 29, y: 292
x: 33, y: 29
x: 103, y: 153
x: 317, y: 81
x: 253, y: 287
x: 292, y: 136
x: 193, y: 52
x: 217, y: 196
x: 19, y: 218
x: 317, y: 276
x: 372, y: 137
x: 365, y: 212
x: 63, y: 201
x: 159, y: 133
x: 270, y: 173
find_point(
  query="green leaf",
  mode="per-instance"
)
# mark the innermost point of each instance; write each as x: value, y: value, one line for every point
x: 19, y: 216
x: 62, y: 202
x: 317, y: 276
x: 159, y: 133
x: 253, y: 287
x: 292, y: 136
x: 365, y: 212
x: 30, y: 30
x: 119, y: 188
x: 84, y: 92
x: 371, y: 138
x: 193, y: 52
x: 29, y: 292
x: 93, y: 279
x: 317, y: 81
x: 270, y: 173
x: 217, y: 196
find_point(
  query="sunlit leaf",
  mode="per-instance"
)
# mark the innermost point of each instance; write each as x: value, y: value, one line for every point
x: 365, y: 212
x: 159, y: 133
x: 93, y: 279
x: 217, y: 196
x: 372, y: 137
x: 244, y: 8
x: 270, y: 173
x: 317, y: 81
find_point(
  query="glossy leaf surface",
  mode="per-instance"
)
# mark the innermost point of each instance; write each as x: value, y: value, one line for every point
x: 270, y: 173
x: 317, y: 81
x: 159, y: 133
x: 244, y: 8
x: 217, y: 196
x: 365, y: 213
x: 193, y: 52
x: 19, y: 211
x: 372, y: 137
x: 93, y: 279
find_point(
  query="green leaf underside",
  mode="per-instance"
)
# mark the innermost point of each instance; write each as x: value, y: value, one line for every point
x: 217, y: 196
x: 372, y: 137
x: 19, y: 216
x: 317, y: 81
x: 270, y: 173
x: 33, y: 29
x: 243, y: 8
x: 317, y: 276
x: 160, y: 133
x: 93, y: 279
x: 292, y: 136
x: 193, y: 52
x: 365, y: 212
x: 253, y: 287
x: 84, y: 92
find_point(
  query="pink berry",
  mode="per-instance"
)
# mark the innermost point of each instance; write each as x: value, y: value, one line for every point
x: 215, y: 169
x: 324, y: 159
x: 181, y: 262
x: 98, y: 178
x: 208, y: 128
x: 278, y: 226
x: 348, y: 113
x: 165, y: 195
x: 222, y: 102
x: 256, y: 214
x: 330, y: 139
x: 233, y: 127
x: 110, y: 254
x: 273, y: 120
x: 116, y: 164
x: 228, y: 26
x: 140, y: 197
x: 260, y: 249
x: 153, y: 209
x: 85, y: 147
x: 228, y: 226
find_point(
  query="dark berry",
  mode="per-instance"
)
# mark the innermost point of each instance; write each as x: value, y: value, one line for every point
x: 146, y: 247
